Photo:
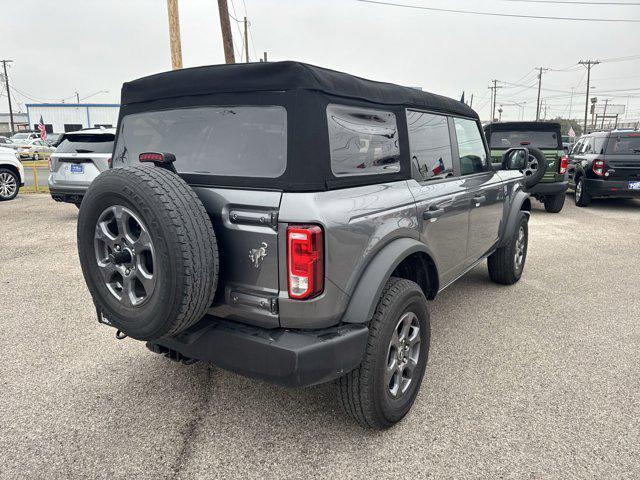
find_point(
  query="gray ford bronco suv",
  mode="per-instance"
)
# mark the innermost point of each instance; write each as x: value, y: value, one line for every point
x: 289, y: 223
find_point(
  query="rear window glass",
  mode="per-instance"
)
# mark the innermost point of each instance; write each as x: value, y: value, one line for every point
x: 624, y: 144
x: 363, y: 141
x: 86, y: 143
x: 514, y: 138
x: 246, y: 141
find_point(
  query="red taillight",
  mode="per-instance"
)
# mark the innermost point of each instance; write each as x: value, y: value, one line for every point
x: 564, y: 162
x: 151, y: 157
x: 305, y: 261
x: 598, y: 167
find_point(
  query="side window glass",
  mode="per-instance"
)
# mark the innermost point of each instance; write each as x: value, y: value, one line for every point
x: 430, y: 144
x: 363, y: 141
x: 473, y: 156
x: 587, y: 147
x: 599, y: 144
x: 576, y: 148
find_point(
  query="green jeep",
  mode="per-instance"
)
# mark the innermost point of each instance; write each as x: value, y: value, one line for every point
x: 547, y: 137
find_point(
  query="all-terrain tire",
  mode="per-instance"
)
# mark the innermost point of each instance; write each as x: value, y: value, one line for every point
x: 532, y: 178
x: 554, y: 203
x: 363, y: 392
x: 503, y: 266
x: 184, y: 244
x: 582, y: 198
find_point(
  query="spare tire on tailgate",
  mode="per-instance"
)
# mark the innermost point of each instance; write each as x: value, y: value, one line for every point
x: 536, y: 168
x: 148, y: 251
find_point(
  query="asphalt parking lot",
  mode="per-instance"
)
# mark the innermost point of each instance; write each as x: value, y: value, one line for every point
x: 537, y: 380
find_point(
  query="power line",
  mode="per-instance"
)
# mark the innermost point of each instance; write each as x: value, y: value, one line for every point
x: 576, y: 2
x: 493, y: 14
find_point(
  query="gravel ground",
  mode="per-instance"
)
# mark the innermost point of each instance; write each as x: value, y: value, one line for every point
x: 538, y: 380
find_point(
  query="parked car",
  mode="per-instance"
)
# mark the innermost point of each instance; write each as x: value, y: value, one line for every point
x: 11, y: 174
x: 79, y: 158
x: 4, y: 141
x: 53, y: 139
x: 32, y: 149
x: 605, y: 164
x: 289, y: 223
x: 21, y: 136
x: 550, y: 173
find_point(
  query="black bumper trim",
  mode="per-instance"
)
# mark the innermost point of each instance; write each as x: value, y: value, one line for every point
x: 70, y: 195
x: 551, y: 188
x: 603, y: 188
x: 293, y: 358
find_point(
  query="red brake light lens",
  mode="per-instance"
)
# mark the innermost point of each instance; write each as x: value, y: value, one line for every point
x: 564, y: 162
x: 598, y: 167
x: 305, y: 261
x: 151, y: 157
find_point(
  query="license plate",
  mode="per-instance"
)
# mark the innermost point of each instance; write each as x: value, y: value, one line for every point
x: 75, y: 168
x: 634, y: 185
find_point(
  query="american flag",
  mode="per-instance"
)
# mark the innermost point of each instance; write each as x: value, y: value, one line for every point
x: 42, y: 129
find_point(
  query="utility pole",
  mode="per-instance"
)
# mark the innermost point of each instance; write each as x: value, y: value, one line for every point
x: 6, y: 81
x: 77, y: 97
x: 265, y: 59
x: 174, y: 34
x: 604, y: 113
x: 246, y: 40
x: 588, y: 64
x: 539, y: 88
x: 494, y: 91
x: 225, y: 27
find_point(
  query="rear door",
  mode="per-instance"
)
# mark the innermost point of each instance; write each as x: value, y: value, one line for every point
x: 484, y: 187
x: 622, y: 156
x: 441, y: 197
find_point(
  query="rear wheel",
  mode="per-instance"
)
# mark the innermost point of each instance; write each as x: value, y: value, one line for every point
x: 582, y: 197
x: 381, y: 391
x: 9, y: 184
x: 507, y: 263
x: 554, y: 203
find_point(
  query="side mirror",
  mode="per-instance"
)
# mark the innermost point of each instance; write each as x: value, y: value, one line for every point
x: 515, y: 159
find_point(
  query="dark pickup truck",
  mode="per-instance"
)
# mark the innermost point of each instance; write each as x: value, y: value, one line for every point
x: 289, y: 222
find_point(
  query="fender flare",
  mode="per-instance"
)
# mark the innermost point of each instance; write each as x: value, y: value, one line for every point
x: 516, y: 206
x: 365, y: 296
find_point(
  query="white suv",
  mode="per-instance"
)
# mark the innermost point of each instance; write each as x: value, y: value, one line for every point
x: 80, y: 157
x: 11, y: 174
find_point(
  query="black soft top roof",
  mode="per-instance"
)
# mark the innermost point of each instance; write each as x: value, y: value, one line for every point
x: 281, y: 76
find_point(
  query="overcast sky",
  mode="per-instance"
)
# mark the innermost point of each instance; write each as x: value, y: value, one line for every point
x: 65, y: 46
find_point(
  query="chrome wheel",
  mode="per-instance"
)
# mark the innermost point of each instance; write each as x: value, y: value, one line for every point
x: 521, y: 248
x: 532, y: 168
x: 403, y: 354
x: 8, y: 185
x: 125, y: 256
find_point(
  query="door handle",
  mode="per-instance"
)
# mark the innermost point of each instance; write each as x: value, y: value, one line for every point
x: 432, y: 213
x: 479, y: 199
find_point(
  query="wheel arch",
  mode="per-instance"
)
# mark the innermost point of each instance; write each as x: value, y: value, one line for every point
x: 406, y: 258
x: 13, y: 169
x: 521, y: 203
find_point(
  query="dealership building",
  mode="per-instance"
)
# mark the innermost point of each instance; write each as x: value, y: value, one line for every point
x: 69, y: 117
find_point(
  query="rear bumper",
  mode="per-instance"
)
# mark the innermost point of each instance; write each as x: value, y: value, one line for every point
x: 609, y: 188
x: 293, y: 358
x: 69, y: 195
x: 551, y: 188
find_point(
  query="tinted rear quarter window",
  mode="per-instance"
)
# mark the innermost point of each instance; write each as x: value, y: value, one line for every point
x: 515, y: 138
x: 240, y: 141
x: 86, y: 143
x: 362, y: 141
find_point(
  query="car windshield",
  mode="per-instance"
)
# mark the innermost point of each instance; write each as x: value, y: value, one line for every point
x: 86, y: 143
x: 21, y: 136
x: 515, y: 138
x: 628, y: 144
x: 243, y: 141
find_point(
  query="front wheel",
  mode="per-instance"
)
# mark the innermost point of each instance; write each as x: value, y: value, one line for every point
x: 554, y: 203
x: 382, y: 389
x: 507, y: 263
x: 9, y: 184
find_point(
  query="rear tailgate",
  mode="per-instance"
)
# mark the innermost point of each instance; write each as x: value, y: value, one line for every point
x: 246, y: 226
x: 622, y: 157
x: 78, y: 169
